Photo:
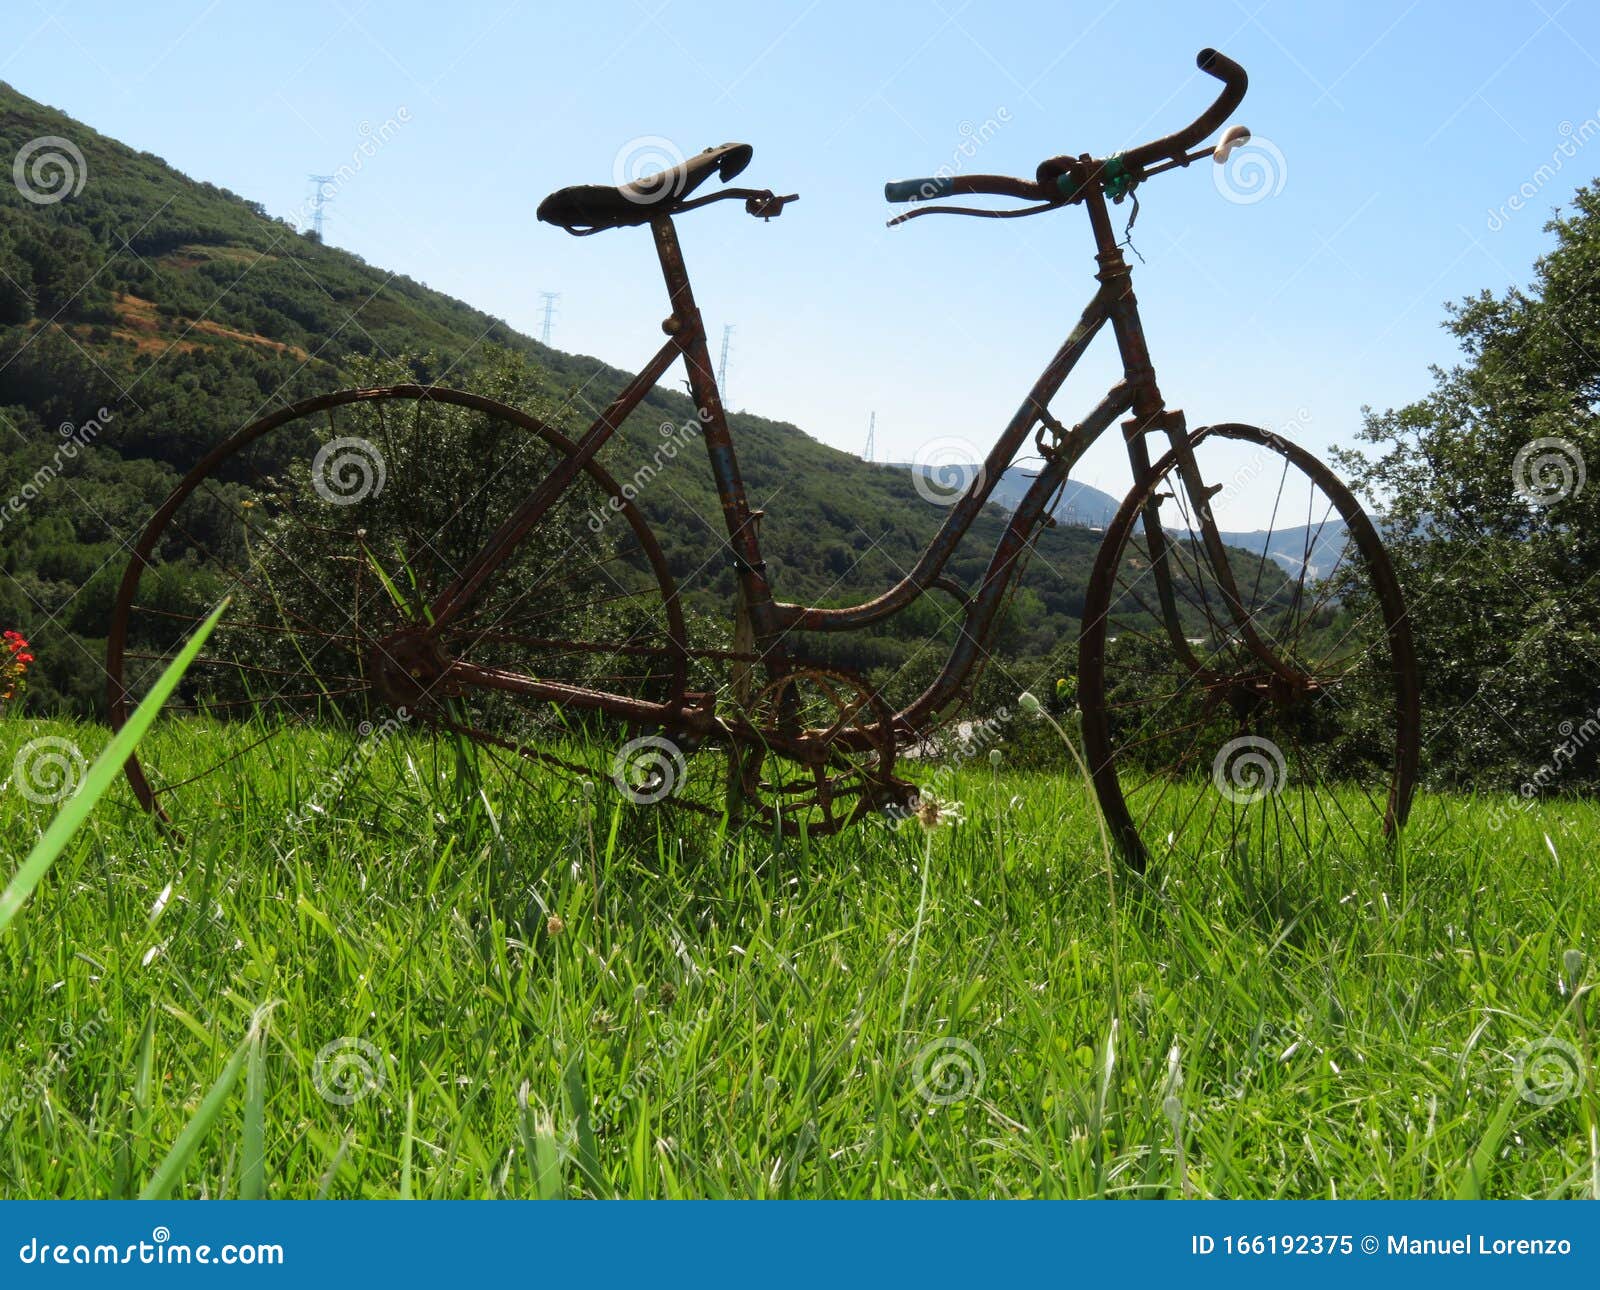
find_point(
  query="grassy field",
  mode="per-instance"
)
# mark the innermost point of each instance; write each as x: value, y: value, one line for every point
x: 435, y: 990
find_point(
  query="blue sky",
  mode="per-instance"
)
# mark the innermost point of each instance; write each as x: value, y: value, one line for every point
x: 1394, y: 138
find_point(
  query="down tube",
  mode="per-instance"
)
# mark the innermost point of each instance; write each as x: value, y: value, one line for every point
x: 938, y: 552
x: 516, y: 526
x: 977, y: 626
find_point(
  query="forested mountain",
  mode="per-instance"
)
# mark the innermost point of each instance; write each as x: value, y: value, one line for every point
x: 147, y: 315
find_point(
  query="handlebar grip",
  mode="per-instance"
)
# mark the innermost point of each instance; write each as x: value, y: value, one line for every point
x: 1223, y: 68
x: 918, y: 190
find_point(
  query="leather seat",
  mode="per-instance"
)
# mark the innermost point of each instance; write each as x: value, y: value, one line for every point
x: 588, y: 208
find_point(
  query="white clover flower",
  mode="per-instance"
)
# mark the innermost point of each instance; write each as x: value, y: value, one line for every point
x: 932, y: 812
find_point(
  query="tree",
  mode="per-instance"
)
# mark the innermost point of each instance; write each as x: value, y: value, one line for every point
x: 1493, y: 524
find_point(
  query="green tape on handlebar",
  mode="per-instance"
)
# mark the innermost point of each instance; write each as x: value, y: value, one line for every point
x: 918, y: 190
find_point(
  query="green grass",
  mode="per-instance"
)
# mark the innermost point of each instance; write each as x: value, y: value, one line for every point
x: 726, y: 1016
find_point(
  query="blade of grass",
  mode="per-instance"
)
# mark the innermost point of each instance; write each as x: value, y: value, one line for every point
x: 170, y: 1169
x: 105, y: 769
x: 1471, y: 1183
x: 253, y: 1180
x: 406, y: 1146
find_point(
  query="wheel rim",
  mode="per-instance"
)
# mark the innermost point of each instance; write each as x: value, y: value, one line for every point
x: 1197, y: 742
x: 333, y: 523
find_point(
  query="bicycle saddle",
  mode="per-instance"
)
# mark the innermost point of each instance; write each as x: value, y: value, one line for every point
x: 587, y: 208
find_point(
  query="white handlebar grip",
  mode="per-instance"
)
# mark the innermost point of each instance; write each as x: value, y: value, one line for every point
x: 1232, y: 137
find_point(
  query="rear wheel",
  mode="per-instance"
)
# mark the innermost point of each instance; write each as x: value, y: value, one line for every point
x: 334, y: 524
x: 1276, y: 741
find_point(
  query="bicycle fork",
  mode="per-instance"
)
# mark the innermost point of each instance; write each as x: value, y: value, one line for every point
x: 1150, y: 414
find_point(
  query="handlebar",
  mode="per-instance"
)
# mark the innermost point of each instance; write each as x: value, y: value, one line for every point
x: 1129, y: 167
x: 1234, y: 84
x: 1172, y: 149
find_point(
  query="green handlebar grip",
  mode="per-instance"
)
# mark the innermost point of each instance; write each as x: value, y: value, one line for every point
x: 917, y: 190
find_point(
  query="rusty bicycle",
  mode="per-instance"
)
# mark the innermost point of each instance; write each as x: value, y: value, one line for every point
x: 1253, y: 691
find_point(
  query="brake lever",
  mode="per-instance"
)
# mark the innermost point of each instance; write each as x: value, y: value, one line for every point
x: 762, y: 202
x: 1015, y: 213
x: 768, y: 205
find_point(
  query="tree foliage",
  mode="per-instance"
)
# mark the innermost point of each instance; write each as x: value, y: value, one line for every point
x: 1495, y: 525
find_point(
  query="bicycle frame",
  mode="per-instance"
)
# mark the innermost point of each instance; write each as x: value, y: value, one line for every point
x: 772, y: 620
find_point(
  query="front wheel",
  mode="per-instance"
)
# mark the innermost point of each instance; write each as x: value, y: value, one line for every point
x: 1273, y: 742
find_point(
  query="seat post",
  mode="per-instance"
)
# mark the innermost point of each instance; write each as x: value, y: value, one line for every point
x: 685, y: 326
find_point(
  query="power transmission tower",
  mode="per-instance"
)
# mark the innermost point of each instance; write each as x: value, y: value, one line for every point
x: 872, y: 430
x: 320, y: 197
x: 550, y: 298
x: 722, y: 363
